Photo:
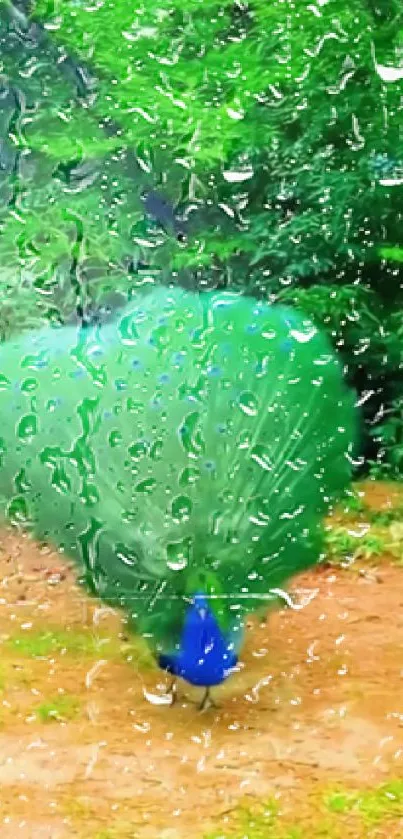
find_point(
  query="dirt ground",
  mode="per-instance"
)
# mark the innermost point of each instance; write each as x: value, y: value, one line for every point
x: 90, y: 748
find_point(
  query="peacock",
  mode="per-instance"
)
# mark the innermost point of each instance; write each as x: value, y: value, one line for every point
x: 184, y: 454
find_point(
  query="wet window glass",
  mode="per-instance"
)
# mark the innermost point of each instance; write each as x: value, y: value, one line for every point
x: 201, y: 419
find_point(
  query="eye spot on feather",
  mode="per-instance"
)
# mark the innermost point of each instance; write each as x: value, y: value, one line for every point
x: 136, y: 364
x: 178, y: 359
x: 214, y: 371
x: 251, y: 328
x: 286, y: 345
x: 226, y: 349
x: 291, y: 319
x: 120, y: 384
x: 164, y: 379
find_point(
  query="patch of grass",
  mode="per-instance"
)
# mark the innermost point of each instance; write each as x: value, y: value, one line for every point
x: 136, y: 650
x: 342, y: 544
x: 80, y: 644
x: 353, y: 502
x: 260, y: 824
x: 355, y: 506
x: 340, y: 802
x: 257, y: 822
x: 82, y: 811
x: 14, y: 676
x: 59, y: 709
x: 255, y: 829
x: 373, y: 807
x: 90, y: 819
x: 43, y: 644
x: 382, y: 804
x: 383, y: 518
x: 326, y: 814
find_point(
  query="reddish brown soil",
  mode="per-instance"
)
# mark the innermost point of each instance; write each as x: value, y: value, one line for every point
x: 319, y: 698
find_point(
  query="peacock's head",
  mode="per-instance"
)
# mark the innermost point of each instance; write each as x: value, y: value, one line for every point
x: 200, y: 603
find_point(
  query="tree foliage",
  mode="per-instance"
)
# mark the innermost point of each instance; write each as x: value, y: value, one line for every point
x: 275, y: 129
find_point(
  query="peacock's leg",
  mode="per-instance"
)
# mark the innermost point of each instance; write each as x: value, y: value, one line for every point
x: 207, y: 701
x: 172, y: 691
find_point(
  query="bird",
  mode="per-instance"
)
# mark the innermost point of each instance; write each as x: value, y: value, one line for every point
x: 184, y: 454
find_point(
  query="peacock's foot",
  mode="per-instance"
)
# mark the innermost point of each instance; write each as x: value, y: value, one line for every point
x: 207, y: 701
x: 172, y: 690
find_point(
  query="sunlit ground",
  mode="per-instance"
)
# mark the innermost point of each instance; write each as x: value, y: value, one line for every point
x: 307, y: 740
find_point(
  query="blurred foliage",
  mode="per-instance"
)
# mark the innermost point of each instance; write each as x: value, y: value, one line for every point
x: 389, y: 434
x: 273, y: 129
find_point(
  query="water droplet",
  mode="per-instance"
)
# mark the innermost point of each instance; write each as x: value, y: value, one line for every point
x: 21, y: 482
x: 138, y: 450
x: 269, y: 334
x: 115, y: 438
x: 190, y: 435
x: 261, y: 456
x: 37, y: 362
x: 27, y: 427
x: 128, y: 331
x: 248, y: 403
x: 17, y: 511
x: 89, y: 494
x: 157, y: 698
x: 178, y: 554
x: 181, y: 508
x: 4, y: 382
x: 303, y: 336
x: 134, y: 407
x: 146, y: 487
x: 261, y: 366
x: 128, y: 556
x: 52, y: 404
x: 160, y: 337
x: 189, y: 476
x: 238, y: 175
x: 156, y: 449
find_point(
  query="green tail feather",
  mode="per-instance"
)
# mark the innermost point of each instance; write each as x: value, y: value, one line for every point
x: 196, y: 442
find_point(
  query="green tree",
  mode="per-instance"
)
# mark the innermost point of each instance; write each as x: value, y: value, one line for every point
x: 274, y: 127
